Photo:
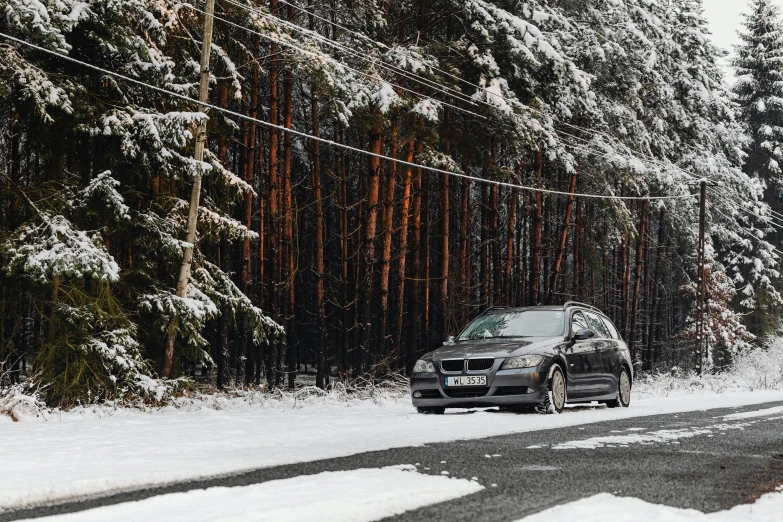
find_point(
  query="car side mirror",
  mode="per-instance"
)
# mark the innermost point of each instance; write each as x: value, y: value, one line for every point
x: 583, y: 334
x: 449, y: 341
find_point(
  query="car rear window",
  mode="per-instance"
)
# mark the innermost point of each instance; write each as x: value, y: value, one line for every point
x: 597, y: 325
x: 611, y: 328
x: 524, y: 323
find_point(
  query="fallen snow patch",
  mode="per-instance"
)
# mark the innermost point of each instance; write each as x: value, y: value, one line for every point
x: 666, y: 436
x: 756, y: 413
x: 604, y: 506
x: 360, y: 495
x: 625, y: 440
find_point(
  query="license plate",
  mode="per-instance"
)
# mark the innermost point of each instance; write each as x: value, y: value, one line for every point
x: 473, y: 380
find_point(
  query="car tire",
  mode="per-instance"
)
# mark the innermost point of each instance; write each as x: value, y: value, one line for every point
x: 623, y: 393
x: 432, y: 410
x: 555, y: 397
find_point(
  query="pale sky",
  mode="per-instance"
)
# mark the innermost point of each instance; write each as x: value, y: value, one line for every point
x: 725, y: 17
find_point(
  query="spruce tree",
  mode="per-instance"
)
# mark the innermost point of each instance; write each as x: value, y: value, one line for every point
x: 759, y: 92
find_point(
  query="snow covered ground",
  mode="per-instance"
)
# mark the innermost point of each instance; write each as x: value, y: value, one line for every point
x: 359, y: 495
x: 81, y: 453
x: 599, y: 508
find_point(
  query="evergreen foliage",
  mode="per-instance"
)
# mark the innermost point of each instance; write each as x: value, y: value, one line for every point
x: 759, y: 95
x: 365, y: 262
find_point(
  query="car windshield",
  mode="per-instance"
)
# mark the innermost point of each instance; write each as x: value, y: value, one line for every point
x: 528, y: 323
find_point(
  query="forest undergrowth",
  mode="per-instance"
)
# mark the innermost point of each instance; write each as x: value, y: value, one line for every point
x: 758, y: 368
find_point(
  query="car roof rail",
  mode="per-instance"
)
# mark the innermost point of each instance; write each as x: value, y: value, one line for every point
x: 585, y: 305
x: 491, y: 308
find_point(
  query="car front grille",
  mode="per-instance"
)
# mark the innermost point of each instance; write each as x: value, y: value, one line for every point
x: 480, y: 365
x: 452, y: 365
x: 464, y: 393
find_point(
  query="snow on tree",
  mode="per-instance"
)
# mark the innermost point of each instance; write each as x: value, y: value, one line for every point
x: 759, y: 95
x: 759, y: 89
x: 623, y: 98
x: 725, y: 334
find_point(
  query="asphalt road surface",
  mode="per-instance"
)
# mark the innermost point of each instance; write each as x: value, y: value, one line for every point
x: 689, y: 460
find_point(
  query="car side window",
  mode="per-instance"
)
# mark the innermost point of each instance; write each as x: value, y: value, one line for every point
x: 611, y: 328
x: 578, y: 322
x: 597, y: 325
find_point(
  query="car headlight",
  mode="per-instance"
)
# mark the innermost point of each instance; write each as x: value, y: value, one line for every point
x: 423, y: 367
x: 526, y: 361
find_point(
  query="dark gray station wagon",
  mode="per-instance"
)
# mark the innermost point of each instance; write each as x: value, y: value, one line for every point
x: 537, y: 357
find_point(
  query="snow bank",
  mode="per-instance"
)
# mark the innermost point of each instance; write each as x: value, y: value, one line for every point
x: 604, y: 506
x: 360, y: 495
x: 760, y: 368
x: 16, y: 405
x: 77, y: 453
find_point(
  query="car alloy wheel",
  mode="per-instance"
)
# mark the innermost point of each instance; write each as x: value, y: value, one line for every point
x: 555, y: 397
x: 623, y: 391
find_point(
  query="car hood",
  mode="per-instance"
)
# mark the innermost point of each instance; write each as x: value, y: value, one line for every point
x: 494, y: 348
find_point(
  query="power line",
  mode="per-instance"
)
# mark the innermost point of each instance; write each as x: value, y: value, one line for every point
x: 769, y: 220
x: 330, y: 142
x: 453, y: 76
x: 425, y: 81
x: 337, y: 45
x: 330, y: 59
x: 749, y: 233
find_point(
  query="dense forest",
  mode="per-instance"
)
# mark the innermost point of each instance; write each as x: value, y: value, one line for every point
x: 375, y: 174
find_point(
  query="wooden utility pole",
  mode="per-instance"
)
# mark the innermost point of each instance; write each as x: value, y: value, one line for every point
x: 195, y: 193
x: 700, y: 274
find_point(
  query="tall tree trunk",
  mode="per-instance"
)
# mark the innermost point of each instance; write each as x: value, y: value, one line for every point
x: 626, y: 289
x: 415, y: 253
x: 637, y: 278
x: 273, y: 368
x: 288, y: 225
x: 512, y: 207
x: 484, y: 288
x: 224, y: 321
x: 535, y: 246
x: 369, y: 246
x: 495, y: 235
x: 655, y: 348
x: 403, y: 254
x: 563, y: 238
x: 655, y: 304
x: 443, y: 323
x: 344, y: 250
x: 464, y: 258
x: 426, y: 259
x: 386, y: 244
x: 579, y: 275
x: 523, y: 277
x: 322, y: 367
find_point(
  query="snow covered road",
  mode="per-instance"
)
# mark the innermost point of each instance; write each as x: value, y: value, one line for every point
x: 361, y: 495
x: 76, y: 456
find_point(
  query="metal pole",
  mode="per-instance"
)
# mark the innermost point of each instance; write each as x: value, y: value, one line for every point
x: 195, y: 193
x: 700, y: 275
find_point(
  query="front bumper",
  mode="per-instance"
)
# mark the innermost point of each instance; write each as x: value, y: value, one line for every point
x: 505, y: 387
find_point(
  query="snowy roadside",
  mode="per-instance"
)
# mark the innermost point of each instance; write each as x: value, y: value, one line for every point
x: 361, y: 495
x: 80, y: 454
x: 602, y: 507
